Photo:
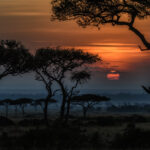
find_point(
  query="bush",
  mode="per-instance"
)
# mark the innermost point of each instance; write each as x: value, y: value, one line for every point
x: 31, y: 122
x: 106, y: 121
x: 59, y: 138
x: 132, y: 137
x: 6, y: 122
x: 96, y: 140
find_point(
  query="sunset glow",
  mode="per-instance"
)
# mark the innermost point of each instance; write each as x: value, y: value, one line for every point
x: 29, y: 22
x: 117, y: 56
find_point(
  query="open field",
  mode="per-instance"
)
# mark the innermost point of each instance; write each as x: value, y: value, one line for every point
x: 96, y: 132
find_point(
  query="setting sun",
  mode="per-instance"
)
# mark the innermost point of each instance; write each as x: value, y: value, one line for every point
x: 113, y: 75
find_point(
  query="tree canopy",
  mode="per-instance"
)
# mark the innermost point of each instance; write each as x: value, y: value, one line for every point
x: 87, y: 101
x: 54, y: 65
x: 14, y: 58
x: 89, y: 98
x: 100, y: 12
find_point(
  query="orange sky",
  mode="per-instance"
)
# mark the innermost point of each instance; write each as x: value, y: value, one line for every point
x: 29, y: 21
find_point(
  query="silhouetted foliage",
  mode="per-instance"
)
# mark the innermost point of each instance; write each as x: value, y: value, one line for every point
x: 147, y: 89
x: 101, y: 12
x: 132, y: 137
x: 80, y: 135
x: 87, y: 101
x: 79, y: 77
x: 15, y: 103
x: 6, y: 103
x: 4, y: 121
x: 129, y: 108
x: 54, y: 138
x: 14, y: 58
x: 45, y: 72
x: 119, y: 120
x: 53, y: 65
x: 23, y: 102
x: 41, y: 102
x: 96, y: 140
x: 31, y: 122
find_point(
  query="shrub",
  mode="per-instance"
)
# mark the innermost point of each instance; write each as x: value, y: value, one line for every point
x: 132, y: 137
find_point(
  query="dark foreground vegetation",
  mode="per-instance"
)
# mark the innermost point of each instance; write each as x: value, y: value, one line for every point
x: 102, y: 132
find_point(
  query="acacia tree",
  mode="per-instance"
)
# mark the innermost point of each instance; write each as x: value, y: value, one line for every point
x: 15, y: 103
x: 54, y: 65
x: 43, y: 68
x: 6, y: 103
x: 23, y: 102
x: 14, y: 58
x: 72, y: 61
x: 100, y: 12
x: 41, y: 102
x: 87, y: 101
x: 78, y: 77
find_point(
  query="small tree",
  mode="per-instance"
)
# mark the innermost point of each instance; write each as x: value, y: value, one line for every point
x: 88, y: 101
x: 23, y: 102
x: 6, y: 103
x: 41, y: 102
x: 15, y: 103
x: 101, y: 12
x: 37, y: 102
x: 78, y: 78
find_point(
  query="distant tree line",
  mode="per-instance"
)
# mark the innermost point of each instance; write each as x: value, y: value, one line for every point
x: 52, y: 66
x: 22, y: 103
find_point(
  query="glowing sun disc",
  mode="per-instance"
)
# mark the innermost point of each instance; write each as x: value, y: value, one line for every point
x: 113, y: 75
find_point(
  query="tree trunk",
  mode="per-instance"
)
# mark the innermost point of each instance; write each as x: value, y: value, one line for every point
x: 22, y: 107
x: 46, y: 110
x: 68, y: 110
x: 141, y: 36
x: 49, y: 91
x: 62, y: 109
x: 137, y: 32
x: 84, y: 112
x: 35, y: 108
x: 6, y: 110
x: 16, y: 110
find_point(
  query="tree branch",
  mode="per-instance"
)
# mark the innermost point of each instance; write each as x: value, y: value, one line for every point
x: 141, y: 36
x: 137, y: 32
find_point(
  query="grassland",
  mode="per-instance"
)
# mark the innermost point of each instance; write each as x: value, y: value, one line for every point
x: 105, y: 132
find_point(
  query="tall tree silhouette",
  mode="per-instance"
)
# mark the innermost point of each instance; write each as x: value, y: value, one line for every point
x: 100, y: 12
x: 71, y: 61
x: 14, y: 58
x: 43, y: 66
x: 54, y: 65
